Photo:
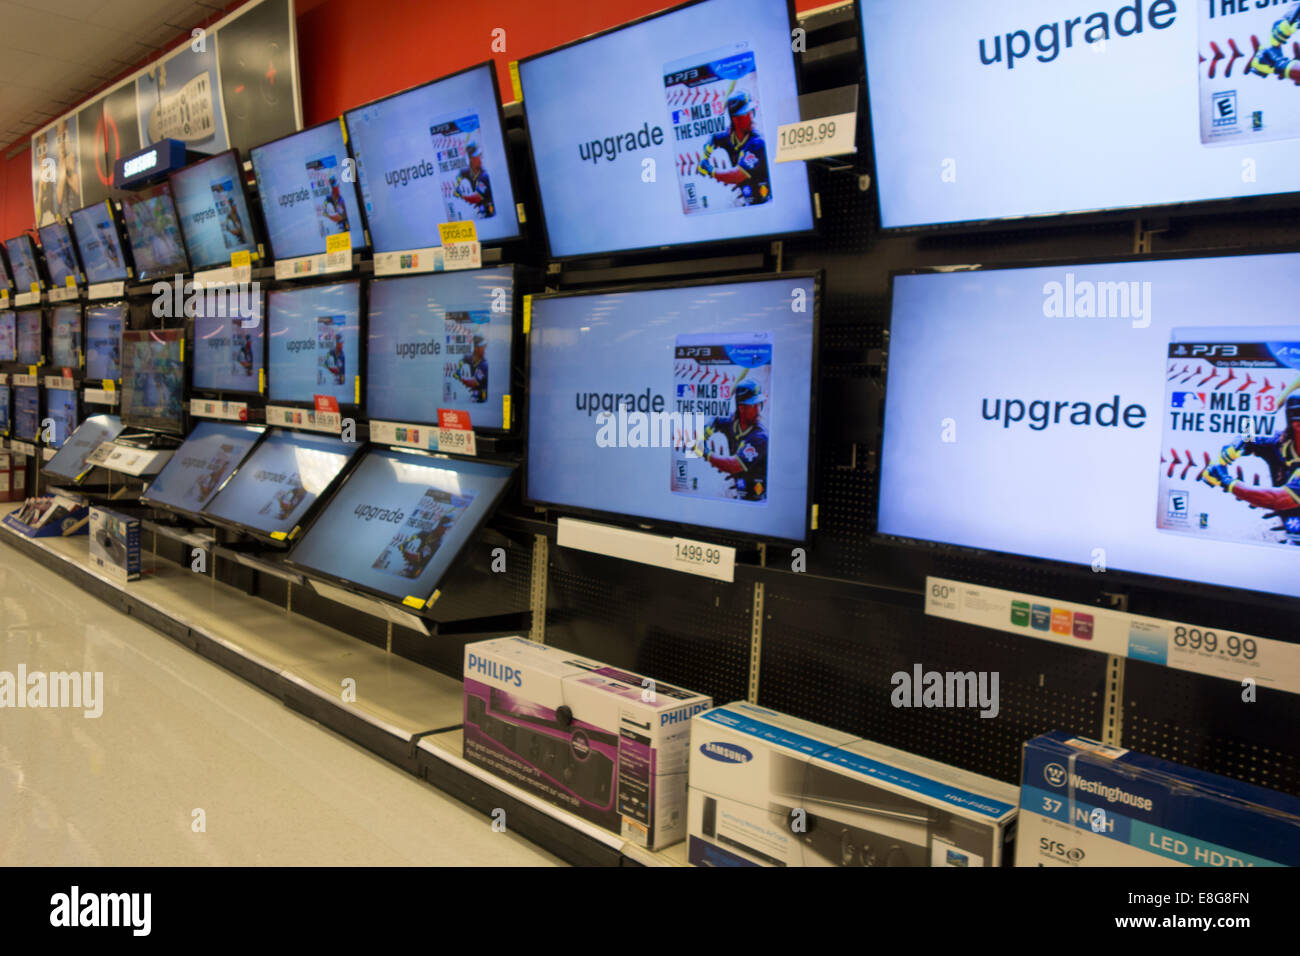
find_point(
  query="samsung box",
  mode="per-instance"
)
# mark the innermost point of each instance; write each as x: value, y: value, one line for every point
x: 1083, y: 803
x: 767, y: 789
x: 606, y: 744
x: 115, y: 543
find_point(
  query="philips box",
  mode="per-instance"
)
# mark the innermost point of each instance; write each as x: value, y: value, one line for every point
x: 115, y: 543
x: 606, y: 744
x: 767, y: 789
x: 1083, y: 803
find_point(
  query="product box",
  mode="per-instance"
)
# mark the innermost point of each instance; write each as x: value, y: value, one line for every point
x: 606, y: 744
x: 1248, y: 68
x: 115, y: 543
x: 767, y: 789
x: 1083, y: 803
x: 48, y: 517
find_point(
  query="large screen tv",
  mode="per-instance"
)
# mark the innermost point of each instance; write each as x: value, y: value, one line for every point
x: 6, y: 414
x: 228, y: 350
x: 686, y: 405
x: 70, y: 461
x: 307, y: 191
x: 154, y: 233
x: 314, y: 343
x: 8, y: 337
x: 153, y: 379
x: 1025, y: 110
x: 1132, y: 407
x: 435, y: 154
x: 65, y: 337
x: 397, y: 523
x: 440, y: 341
x: 6, y: 280
x: 212, y: 204
x: 60, y: 254
x: 27, y: 412
x: 61, y: 410
x: 197, y: 469
x: 104, y: 325
x: 277, y: 488
x: 23, y: 262
x: 664, y: 132
x: 99, y: 243
x: 31, y: 345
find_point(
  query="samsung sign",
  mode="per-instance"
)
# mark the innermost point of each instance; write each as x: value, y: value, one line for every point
x: 139, y: 163
x: 152, y: 162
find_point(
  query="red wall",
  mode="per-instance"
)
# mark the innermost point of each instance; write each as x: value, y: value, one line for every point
x: 353, y: 51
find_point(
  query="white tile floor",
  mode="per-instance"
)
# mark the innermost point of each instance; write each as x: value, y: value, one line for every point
x: 179, y: 733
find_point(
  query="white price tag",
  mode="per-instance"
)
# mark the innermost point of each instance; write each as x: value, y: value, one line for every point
x: 457, y: 441
x: 340, y: 261
x: 462, y: 255
x: 827, y: 136
x: 106, y: 290
x: 699, y: 557
x: 329, y: 421
x: 676, y: 554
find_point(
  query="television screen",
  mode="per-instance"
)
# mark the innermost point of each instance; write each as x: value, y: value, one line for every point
x: 154, y: 233
x: 6, y: 280
x: 194, y: 473
x: 22, y: 260
x: 8, y: 337
x: 104, y: 325
x: 27, y: 413
x: 315, y: 343
x: 228, y: 351
x: 1131, y: 412
x: 435, y: 154
x: 1202, y: 92
x: 6, y: 417
x: 99, y: 243
x: 213, y: 209
x: 30, y: 351
x: 65, y: 337
x: 70, y: 462
x: 282, y: 479
x: 667, y: 404
x: 440, y: 341
x: 667, y: 142
x: 61, y: 410
x: 306, y: 197
x: 60, y: 259
x: 153, y: 379
x: 399, y: 521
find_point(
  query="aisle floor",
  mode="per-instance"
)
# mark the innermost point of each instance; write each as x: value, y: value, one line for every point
x: 179, y: 734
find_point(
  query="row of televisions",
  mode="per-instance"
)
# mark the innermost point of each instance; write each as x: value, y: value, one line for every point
x: 636, y: 144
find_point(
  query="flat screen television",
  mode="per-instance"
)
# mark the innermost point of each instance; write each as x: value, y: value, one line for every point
x: 27, y: 412
x: 276, y: 489
x: 314, y: 343
x: 308, y: 191
x: 1042, y: 109
x: 212, y: 204
x: 24, y: 263
x: 100, y: 243
x: 440, y: 341
x: 70, y: 461
x: 197, y: 469
x: 104, y: 325
x: 684, y: 405
x: 60, y: 253
x: 8, y: 337
x: 433, y: 154
x: 153, y: 379
x: 6, y: 413
x: 663, y: 132
x: 1132, y: 407
x: 61, y: 410
x: 31, y: 345
x: 396, y: 525
x: 229, y: 350
x: 157, y: 247
x: 6, y: 279
x: 65, y: 338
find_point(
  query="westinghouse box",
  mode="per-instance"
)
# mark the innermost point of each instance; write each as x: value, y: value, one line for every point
x: 606, y: 744
x: 115, y: 543
x: 767, y: 789
x: 1083, y: 803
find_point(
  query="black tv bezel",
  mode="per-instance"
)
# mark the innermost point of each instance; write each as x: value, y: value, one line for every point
x: 119, y: 231
x: 85, y: 322
x: 1116, y: 579
x: 198, y: 516
x: 356, y: 185
x: 40, y: 321
x: 76, y: 479
x: 756, y: 239
x: 13, y: 413
x: 521, y: 233
x: 218, y: 394
x: 515, y: 299
x: 354, y: 408
x: 162, y: 187
x: 79, y: 410
x: 663, y: 525
x: 181, y: 431
x: 38, y: 263
x: 7, y: 364
x: 6, y: 274
x: 255, y: 253
x: 78, y: 370
x: 78, y: 273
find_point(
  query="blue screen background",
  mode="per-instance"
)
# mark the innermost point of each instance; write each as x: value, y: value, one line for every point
x: 60, y: 260
x: 211, y: 235
x: 71, y: 458
x: 23, y: 262
x: 298, y: 368
x: 98, y: 243
x: 29, y: 338
x: 104, y: 341
x: 194, y: 473
x: 65, y: 337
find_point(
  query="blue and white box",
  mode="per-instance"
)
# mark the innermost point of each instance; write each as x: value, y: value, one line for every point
x: 1083, y: 803
x: 115, y: 543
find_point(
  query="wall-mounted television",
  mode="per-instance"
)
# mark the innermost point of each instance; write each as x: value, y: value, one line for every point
x: 212, y: 204
x: 157, y: 246
x: 689, y: 404
x: 61, y: 408
x: 8, y: 337
x: 1130, y: 412
x: 197, y: 469
x: 100, y: 243
x: 70, y: 462
x: 27, y: 412
x: 314, y: 343
x: 60, y: 253
x: 433, y: 154
x: 65, y: 338
x: 24, y: 262
x: 31, y: 338
x: 663, y: 132
x: 104, y: 325
x: 229, y: 349
x: 6, y: 413
x: 153, y: 379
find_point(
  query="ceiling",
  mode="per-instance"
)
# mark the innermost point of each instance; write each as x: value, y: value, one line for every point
x: 55, y: 53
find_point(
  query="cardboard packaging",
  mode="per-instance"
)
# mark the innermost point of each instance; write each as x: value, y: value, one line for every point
x: 115, y: 543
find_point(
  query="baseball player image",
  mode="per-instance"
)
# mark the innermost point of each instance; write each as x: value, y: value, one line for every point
x: 472, y: 183
x: 335, y: 209
x: 1281, y: 453
x: 1271, y: 59
x: 745, y: 464
x: 419, y: 548
x: 746, y: 150
x: 473, y: 371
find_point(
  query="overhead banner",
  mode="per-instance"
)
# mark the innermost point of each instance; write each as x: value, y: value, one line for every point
x: 235, y: 85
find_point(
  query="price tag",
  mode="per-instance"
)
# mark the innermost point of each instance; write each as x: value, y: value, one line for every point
x: 35, y: 289
x: 515, y: 86
x: 827, y: 136
x: 109, y: 385
x: 676, y: 554
x: 456, y: 441
x: 505, y: 411
x: 241, y: 259
x: 462, y: 255
x: 701, y: 558
x: 70, y: 282
x: 338, y: 252
x: 528, y: 313
x: 462, y: 231
x: 327, y: 413
x: 414, y: 602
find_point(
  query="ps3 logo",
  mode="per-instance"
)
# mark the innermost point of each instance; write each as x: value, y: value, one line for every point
x: 1054, y: 774
x: 1212, y: 351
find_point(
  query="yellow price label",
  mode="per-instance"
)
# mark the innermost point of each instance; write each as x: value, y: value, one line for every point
x: 356, y: 390
x: 278, y: 535
x: 344, y: 127
x: 433, y: 597
x: 36, y: 288
x: 109, y: 385
x: 340, y: 242
x: 261, y: 381
x: 241, y: 258
x: 528, y: 313
x: 182, y: 341
x: 516, y: 87
x: 294, y: 533
x: 505, y: 411
x: 414, y: 602
x: 70, y: 282
x: 462, y: 231
x: 31, y: 370
x: 814, y: 516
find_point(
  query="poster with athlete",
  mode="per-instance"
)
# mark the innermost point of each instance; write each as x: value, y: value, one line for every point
x: 466, y: 186
x: 1249, y: 61
x: 422, y: 534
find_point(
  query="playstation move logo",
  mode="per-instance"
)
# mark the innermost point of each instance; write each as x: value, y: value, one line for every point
x: 1054, y: 774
